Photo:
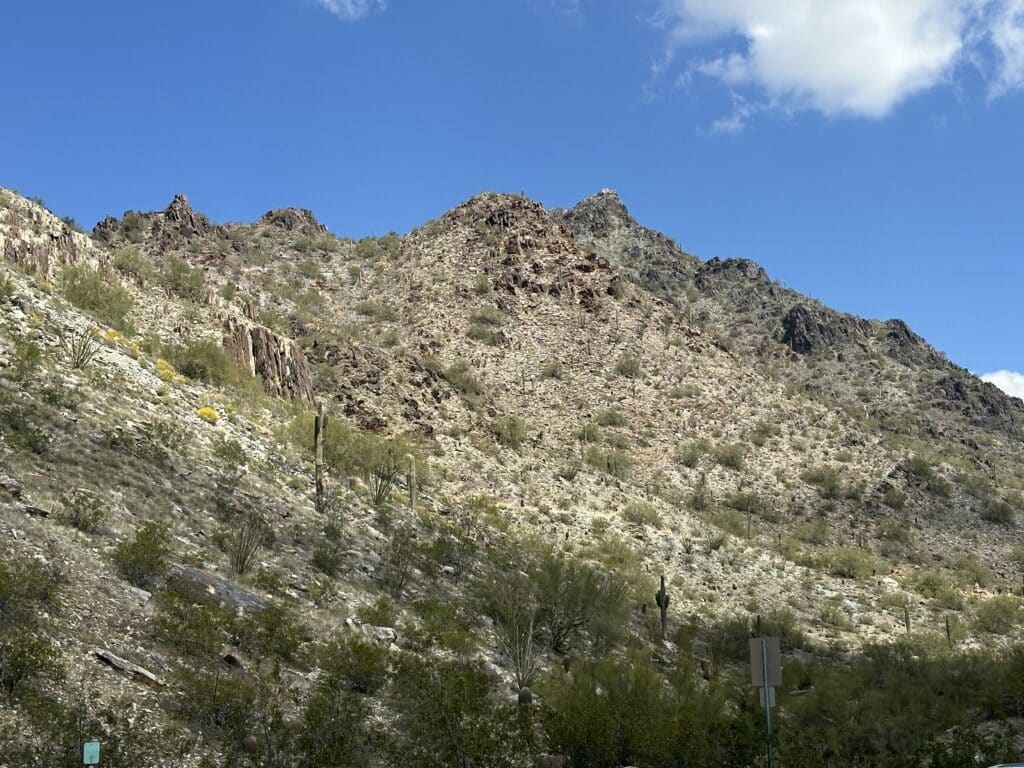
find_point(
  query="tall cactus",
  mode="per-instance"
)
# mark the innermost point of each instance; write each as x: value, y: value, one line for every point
x: 319, y: 427
x: 661, y: 598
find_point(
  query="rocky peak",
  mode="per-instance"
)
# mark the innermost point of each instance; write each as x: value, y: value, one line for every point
x: 599, y: 215
x: 293, y: 220
x: 189, y: 223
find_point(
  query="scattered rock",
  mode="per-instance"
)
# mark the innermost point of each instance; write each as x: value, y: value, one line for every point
x: 123, y: 665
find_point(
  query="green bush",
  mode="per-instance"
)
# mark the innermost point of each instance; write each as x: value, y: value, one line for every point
x: 826, y: 479
x: 204, y: 360
x: 488, y: 316
x: 552, y: 369
x: 449, y: 716
x: 83, y: 510
x: 99, y: 295
x: 689, y: 455
x: 730, y: 456
x: 273, y: 632
x: 628, y: 366
x: 640, y: 513
x: 894, y: 498
x: 144, y: 560
x: 612, y: 462
x: 998, y: 511
x: 28, y: 591
x: 509, y: 431
x: 850, y: 563
x: 358, y: 665
x: 612, y: 417
x: 460, y: 376
x: 998, y: 615
x: 132, y: 264
x: 180, y: 278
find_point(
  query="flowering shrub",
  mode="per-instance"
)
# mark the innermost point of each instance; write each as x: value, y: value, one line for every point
x: 208, y: 414
x: 165, y: 370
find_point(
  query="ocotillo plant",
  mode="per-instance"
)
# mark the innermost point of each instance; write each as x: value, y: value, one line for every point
x: 319, y: 427
x: 661, y: 598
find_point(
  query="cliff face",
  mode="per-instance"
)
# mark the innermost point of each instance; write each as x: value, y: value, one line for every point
x: 39, y: 242
x: 276, y: 360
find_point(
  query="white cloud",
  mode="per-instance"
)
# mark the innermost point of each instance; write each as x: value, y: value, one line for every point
x: 353, y: 10
x: 1011, y: 382
x: 845, y: 57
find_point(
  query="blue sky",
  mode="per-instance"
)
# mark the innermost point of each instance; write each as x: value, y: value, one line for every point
x: 866, y: 152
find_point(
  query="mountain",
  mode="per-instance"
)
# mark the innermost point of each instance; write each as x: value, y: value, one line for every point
x: 532, y: 415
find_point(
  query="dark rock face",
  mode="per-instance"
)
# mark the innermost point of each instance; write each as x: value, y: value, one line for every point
x: 899, y: 333
x: 205, y: 586
x: 982, y: 403
x: 715, y: 274
x: 276, y: 360
x: 294, y: 220
x: 808, y: 329
x: 180, y: 216
x: 599, y: 215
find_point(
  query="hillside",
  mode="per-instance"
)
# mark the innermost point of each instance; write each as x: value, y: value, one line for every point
x: 533, y: 415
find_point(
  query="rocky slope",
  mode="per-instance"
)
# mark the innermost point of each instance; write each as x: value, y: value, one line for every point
x: 578, y: 376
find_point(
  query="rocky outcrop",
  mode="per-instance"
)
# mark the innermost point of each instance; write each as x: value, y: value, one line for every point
x: 807, y: 329
x: 299, y: 220
x: 204, y: 586
x: 180, y: 217
x: 39, y: 242
x: 276, y: 360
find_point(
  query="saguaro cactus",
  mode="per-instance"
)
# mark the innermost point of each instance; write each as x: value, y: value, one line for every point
x: 661, y: 598
x: 319, y: 427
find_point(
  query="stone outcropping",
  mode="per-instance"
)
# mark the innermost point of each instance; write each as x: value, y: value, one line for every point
x: 294, y: 220
x: 39, y: 242
x: 276, y: 360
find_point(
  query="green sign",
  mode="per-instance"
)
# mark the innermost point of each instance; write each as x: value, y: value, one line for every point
x: 91, y: 753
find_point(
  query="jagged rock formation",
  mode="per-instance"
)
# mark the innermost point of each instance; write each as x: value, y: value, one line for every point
x: 39, y: 242
x: 274, y: 359
x: 300, y: 220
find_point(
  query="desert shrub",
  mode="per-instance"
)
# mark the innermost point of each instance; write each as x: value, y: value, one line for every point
x: 377, y: 311
x: 401, y: 556
x: 7, y: 288
x: 970, y: 571
x: 589, y: 432
x: 449, y: 716
x: 204, y: 360
x: 763, y: 431
x: 850, y: 563
x: 611, y: 417
x: 689, y: 455
x: 460, y: 376
x: 83, y: 510
x: 509, y: 431
x: 332, y: 731
x: 825, y: 479
x: 552, y: 369
x: 894, y: 498
x: 181, y: 279
x: 80, y: 347
x: 730, y: 456
x: 640, y: 513
x: 28, y: 591
x: 612, y: 462
x: 488, y: 316
x: 600, y: 716
x: 382, y: 613
x: 273, y: 632
x: 219, y: 704
x: 812, y: 532
x: 628, y: 366
x: 22, y: 426
x: 936, y: 586
x: 96, y: 293
x: 998, y: 511
x: 132, y: 264
x: 747, y: 502
x: 701, y: 499
x: 249, y: 533
x: 358, y: 665
x: 144, y: 560
x: 998, y: 615
x: 193, y: 628
x: 440, y: 623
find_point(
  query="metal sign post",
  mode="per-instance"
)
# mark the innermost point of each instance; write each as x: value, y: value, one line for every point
x: 765, y: 674
x: 91, y: 753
